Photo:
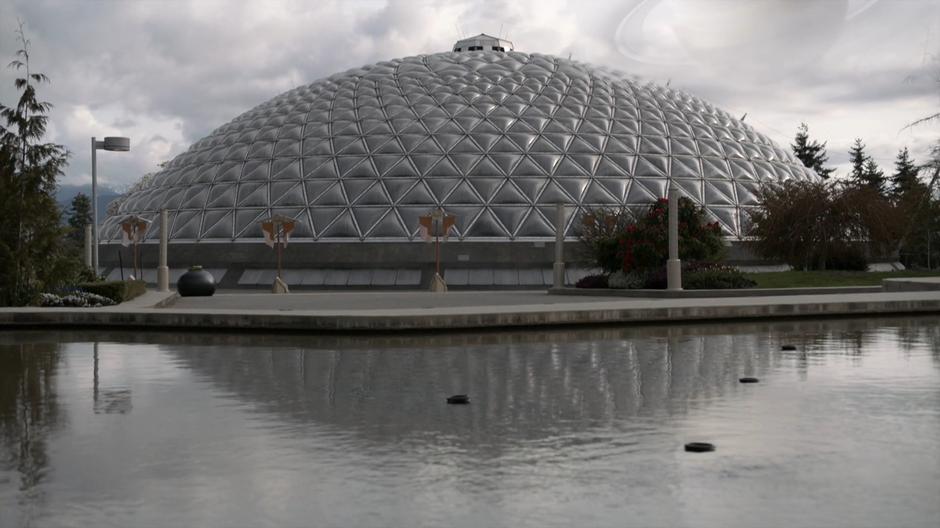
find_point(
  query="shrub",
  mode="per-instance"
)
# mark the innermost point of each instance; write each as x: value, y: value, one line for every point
x: 618, y: 242
x: 630, y: 280
x: 592, y: 281
x: 847, y: 258
x: 600, y: 234
x: 702, y: 276
x: 77, y: 299
x: 117, y: 291
x: 814, y: 225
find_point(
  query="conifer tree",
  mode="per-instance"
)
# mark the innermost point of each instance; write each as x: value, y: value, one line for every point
x: 32, y: 256
x: 904, y: 180
x: 873, y: 176
x: 857, y: 158
x: 79, y: 216
x: 811, y: 153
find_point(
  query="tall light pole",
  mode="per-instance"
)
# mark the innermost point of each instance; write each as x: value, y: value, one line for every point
x: 115, y: 144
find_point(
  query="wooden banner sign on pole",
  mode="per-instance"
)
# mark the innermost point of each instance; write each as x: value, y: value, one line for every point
x: 133, y: 229
x: 277, y: 230
x: 436, y: 225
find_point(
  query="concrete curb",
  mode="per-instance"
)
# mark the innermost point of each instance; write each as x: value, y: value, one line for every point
x: 457, y: 318
x: 714, y: 294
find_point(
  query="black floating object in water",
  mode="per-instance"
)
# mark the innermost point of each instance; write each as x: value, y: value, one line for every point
x: 699, y: 447
x: 748, y: 380
x: 458, y: 399
x: 788, y: 347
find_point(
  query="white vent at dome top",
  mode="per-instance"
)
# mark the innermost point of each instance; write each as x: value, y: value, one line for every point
x: 483, y: 42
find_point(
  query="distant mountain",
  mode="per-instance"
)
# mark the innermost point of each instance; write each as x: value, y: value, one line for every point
x: 65, y: 193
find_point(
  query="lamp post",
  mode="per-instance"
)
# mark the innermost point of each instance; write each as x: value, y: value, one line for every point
x: 114, y: 144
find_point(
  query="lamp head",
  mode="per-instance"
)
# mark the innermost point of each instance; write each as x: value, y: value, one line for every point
x: 120, y: 144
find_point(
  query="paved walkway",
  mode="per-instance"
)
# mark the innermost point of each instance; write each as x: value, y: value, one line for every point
x: 393, y: 311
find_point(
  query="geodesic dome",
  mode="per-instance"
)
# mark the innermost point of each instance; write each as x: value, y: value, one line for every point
x: 496, y: 138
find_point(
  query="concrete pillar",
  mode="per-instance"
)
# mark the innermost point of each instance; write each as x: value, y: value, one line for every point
x: 673, y: 265
x: 88, y: 257
x: 163, y: 272
x: 559, y: 267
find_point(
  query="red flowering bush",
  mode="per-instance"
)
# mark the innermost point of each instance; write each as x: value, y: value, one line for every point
x: 644, y: 245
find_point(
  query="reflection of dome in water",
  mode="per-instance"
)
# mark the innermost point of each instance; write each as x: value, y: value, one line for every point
x: 496, y: 137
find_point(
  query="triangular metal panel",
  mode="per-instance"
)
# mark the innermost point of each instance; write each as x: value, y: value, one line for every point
x: 256, y: 171
x: 195, y: 197
x: 247, y: 222
x: 222, y: 195
x: 715, y: 169
x: 651, y: 166
x: 719, y: 192
x: 691, y: 189
x: 326, y: 168
x: 534, y: 225
x: 332, y: 196
x: 615, y: 186
x: 485, y: 167
x: 356, y: 187
x: 685, y: 167
x: 367, y: 217
x: 186, y: 225
x: 510, y: 217
x: 574, y: 187
x: 553, y: 193
x: 374, y: 195
x: 463, y: 193
x: 547, y: 162
x: 396, y: 188
x: 343, y: 226
x: 361, y: 170
x: 486, y: 225
x: 218, y: 224
x: 440, y: 187
x: 486, y: 187
x: 510, y: 194
x: 389, y: 226
x: 285, y: 169
x: 287, y: 193
x: 638, y: 194
x: 569, y: 168
x: 324, y: 216
x: 254, y: 194
x: 598, y: 194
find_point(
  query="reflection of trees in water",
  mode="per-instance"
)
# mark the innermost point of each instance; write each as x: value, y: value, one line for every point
x: 28, y: 411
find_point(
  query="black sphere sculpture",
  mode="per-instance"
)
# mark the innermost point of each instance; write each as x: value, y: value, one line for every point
x: 196, y: 282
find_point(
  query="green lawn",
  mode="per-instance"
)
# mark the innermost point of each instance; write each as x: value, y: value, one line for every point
x: 816, y: 279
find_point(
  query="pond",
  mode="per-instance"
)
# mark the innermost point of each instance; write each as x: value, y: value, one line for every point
x: 578, y: 427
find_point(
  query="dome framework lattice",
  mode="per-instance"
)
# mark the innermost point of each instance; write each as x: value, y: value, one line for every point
x: 495, y: 138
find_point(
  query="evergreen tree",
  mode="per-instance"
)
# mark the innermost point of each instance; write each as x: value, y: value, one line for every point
x: 811, y: 153
x: 79, y: 216
x: 904, y: 179
x: 873, y: 176
x: 32, y: 256
x: 857, y: 158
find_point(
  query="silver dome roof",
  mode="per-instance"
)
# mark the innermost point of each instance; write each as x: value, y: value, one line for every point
x: 495, y: 138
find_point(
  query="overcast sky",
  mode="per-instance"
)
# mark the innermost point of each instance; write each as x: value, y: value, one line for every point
x: 168, y: 72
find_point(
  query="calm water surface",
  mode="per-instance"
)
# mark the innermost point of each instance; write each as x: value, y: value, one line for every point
x: 566, y: 428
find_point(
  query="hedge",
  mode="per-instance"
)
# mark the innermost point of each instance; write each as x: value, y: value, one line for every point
x: 117, y: 291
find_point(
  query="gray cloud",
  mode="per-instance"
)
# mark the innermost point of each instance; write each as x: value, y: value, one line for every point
x: 168, y: 72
